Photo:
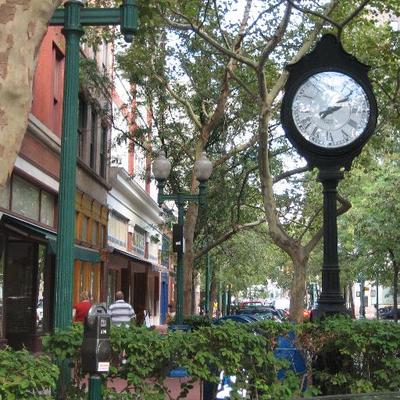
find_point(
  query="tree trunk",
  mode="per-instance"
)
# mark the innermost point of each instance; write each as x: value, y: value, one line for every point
x: 298, y: 287
x: 195, y: 292
x: 23, y: 24
x: 213, y: 292
x: 351, y: 301
x: 190, y: 224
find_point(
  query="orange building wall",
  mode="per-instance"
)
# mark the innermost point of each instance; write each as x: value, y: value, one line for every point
x: 43, y: 84
x: 40, y: 155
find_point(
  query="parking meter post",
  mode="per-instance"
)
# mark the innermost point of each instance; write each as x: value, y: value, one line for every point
x: 96, y: 348
x: 95, y: 388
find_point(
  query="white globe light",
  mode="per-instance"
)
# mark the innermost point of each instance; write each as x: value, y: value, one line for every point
x: 161, y: 167
x: 203, y: 168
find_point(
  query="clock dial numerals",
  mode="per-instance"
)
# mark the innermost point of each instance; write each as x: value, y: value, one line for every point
x: 330, y: 109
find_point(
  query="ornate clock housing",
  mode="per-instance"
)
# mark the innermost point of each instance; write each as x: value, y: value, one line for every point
x: 328, y: 110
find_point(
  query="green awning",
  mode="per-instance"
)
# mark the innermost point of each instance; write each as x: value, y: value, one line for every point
x: 80, y: 253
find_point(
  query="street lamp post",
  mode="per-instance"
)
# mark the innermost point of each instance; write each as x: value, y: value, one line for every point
x: 73, y: 17
x: 202, y: 171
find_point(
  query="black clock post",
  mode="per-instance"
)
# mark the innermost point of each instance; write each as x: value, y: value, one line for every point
x: 328, y: 113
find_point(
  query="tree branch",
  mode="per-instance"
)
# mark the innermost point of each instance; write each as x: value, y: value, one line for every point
x: 351, y: 16
x: 180, y: 100
x: 314, y: 13
x: 273, y: 93
x: 227, y: 235
x: 273, y: 42
x: 292, y: 172
x: 209, y: 39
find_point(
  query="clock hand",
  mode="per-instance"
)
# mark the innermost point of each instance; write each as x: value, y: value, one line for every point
x: 328, y: 111
x: 345, y: 98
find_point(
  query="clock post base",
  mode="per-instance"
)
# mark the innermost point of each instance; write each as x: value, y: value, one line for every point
x: 329, y: 307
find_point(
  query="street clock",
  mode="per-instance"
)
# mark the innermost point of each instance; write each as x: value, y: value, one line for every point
x: 328, y: 110
x: 328, y: 113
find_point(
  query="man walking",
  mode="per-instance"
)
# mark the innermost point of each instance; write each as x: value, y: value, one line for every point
x: 121, y: 312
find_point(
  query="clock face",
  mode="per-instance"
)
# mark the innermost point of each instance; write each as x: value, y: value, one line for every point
x: 330, y: 109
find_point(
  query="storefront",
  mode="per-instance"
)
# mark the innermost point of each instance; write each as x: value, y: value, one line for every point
x: 128, y: 273
x: 28, y: 243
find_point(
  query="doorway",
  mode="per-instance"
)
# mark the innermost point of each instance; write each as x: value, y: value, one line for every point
x: 20, y: 293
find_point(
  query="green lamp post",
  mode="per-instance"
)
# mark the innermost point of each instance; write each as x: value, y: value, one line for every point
x: 73, y: 17
x: 202, y: 171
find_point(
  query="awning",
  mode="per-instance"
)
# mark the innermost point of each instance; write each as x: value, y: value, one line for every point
x: 158, y: 268
x: 80, y: 253
x: 130, y: 255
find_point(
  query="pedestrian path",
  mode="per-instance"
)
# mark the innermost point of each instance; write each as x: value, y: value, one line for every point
x: 173, y: 385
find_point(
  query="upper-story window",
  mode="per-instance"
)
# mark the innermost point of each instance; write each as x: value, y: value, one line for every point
x: 23, y: 197
x: 58, y: 77
x: 92, y: 140
x: 103, y: 150
x: 92, y: 137
x: 117, y: 230
x: 139, y: 241
x: 82, y: 124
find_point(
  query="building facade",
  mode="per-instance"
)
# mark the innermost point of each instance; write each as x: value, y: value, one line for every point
x: 29, y: 205
x: 135, y: 248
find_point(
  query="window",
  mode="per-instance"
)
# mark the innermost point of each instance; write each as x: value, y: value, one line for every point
x: 102, y: 235
x: 117, y: 230
x: 41, y: 318
x: 139, y: 244
x: 84, y: 228
x: 95, y: 229
x: 25, y: 198
x: 58, y: 79
x: 139, y: 167
x: 47, y: 208
x: 92, y: 144
x: 82, y: 123
x: 112, y: 285
x: 5, y: 196
x: 103, y: 151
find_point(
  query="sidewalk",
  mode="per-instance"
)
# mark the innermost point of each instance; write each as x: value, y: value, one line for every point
x: 173, y: 384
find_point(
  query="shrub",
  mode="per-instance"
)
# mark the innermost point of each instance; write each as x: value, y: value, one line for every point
x: 25, y: 376
x: 347, y: 356
x: 343, y: 356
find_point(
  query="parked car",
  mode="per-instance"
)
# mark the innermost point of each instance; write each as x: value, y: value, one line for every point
x: 285, y: 350
x: 250, y: 304
x: 389, y: 314
x: 268, y: 312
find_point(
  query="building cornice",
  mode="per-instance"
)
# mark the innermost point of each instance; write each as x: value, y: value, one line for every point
x: 139, y: 198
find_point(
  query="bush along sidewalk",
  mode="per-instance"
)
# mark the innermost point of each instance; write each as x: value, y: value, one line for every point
x: 25, y: 376
x: 343, y: 356
x: 346, y: 356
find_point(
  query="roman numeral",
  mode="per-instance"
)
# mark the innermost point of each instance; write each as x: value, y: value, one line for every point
x: 346, y: 136
x: 352, y: 123
x: 314, y: 136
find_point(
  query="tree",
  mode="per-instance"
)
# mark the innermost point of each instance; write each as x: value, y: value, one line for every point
x: 246, y: 57
x: 22, y: 25
x: 374, y: 221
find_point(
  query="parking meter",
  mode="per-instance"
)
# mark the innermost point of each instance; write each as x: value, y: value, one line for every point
x: 96, y: 347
